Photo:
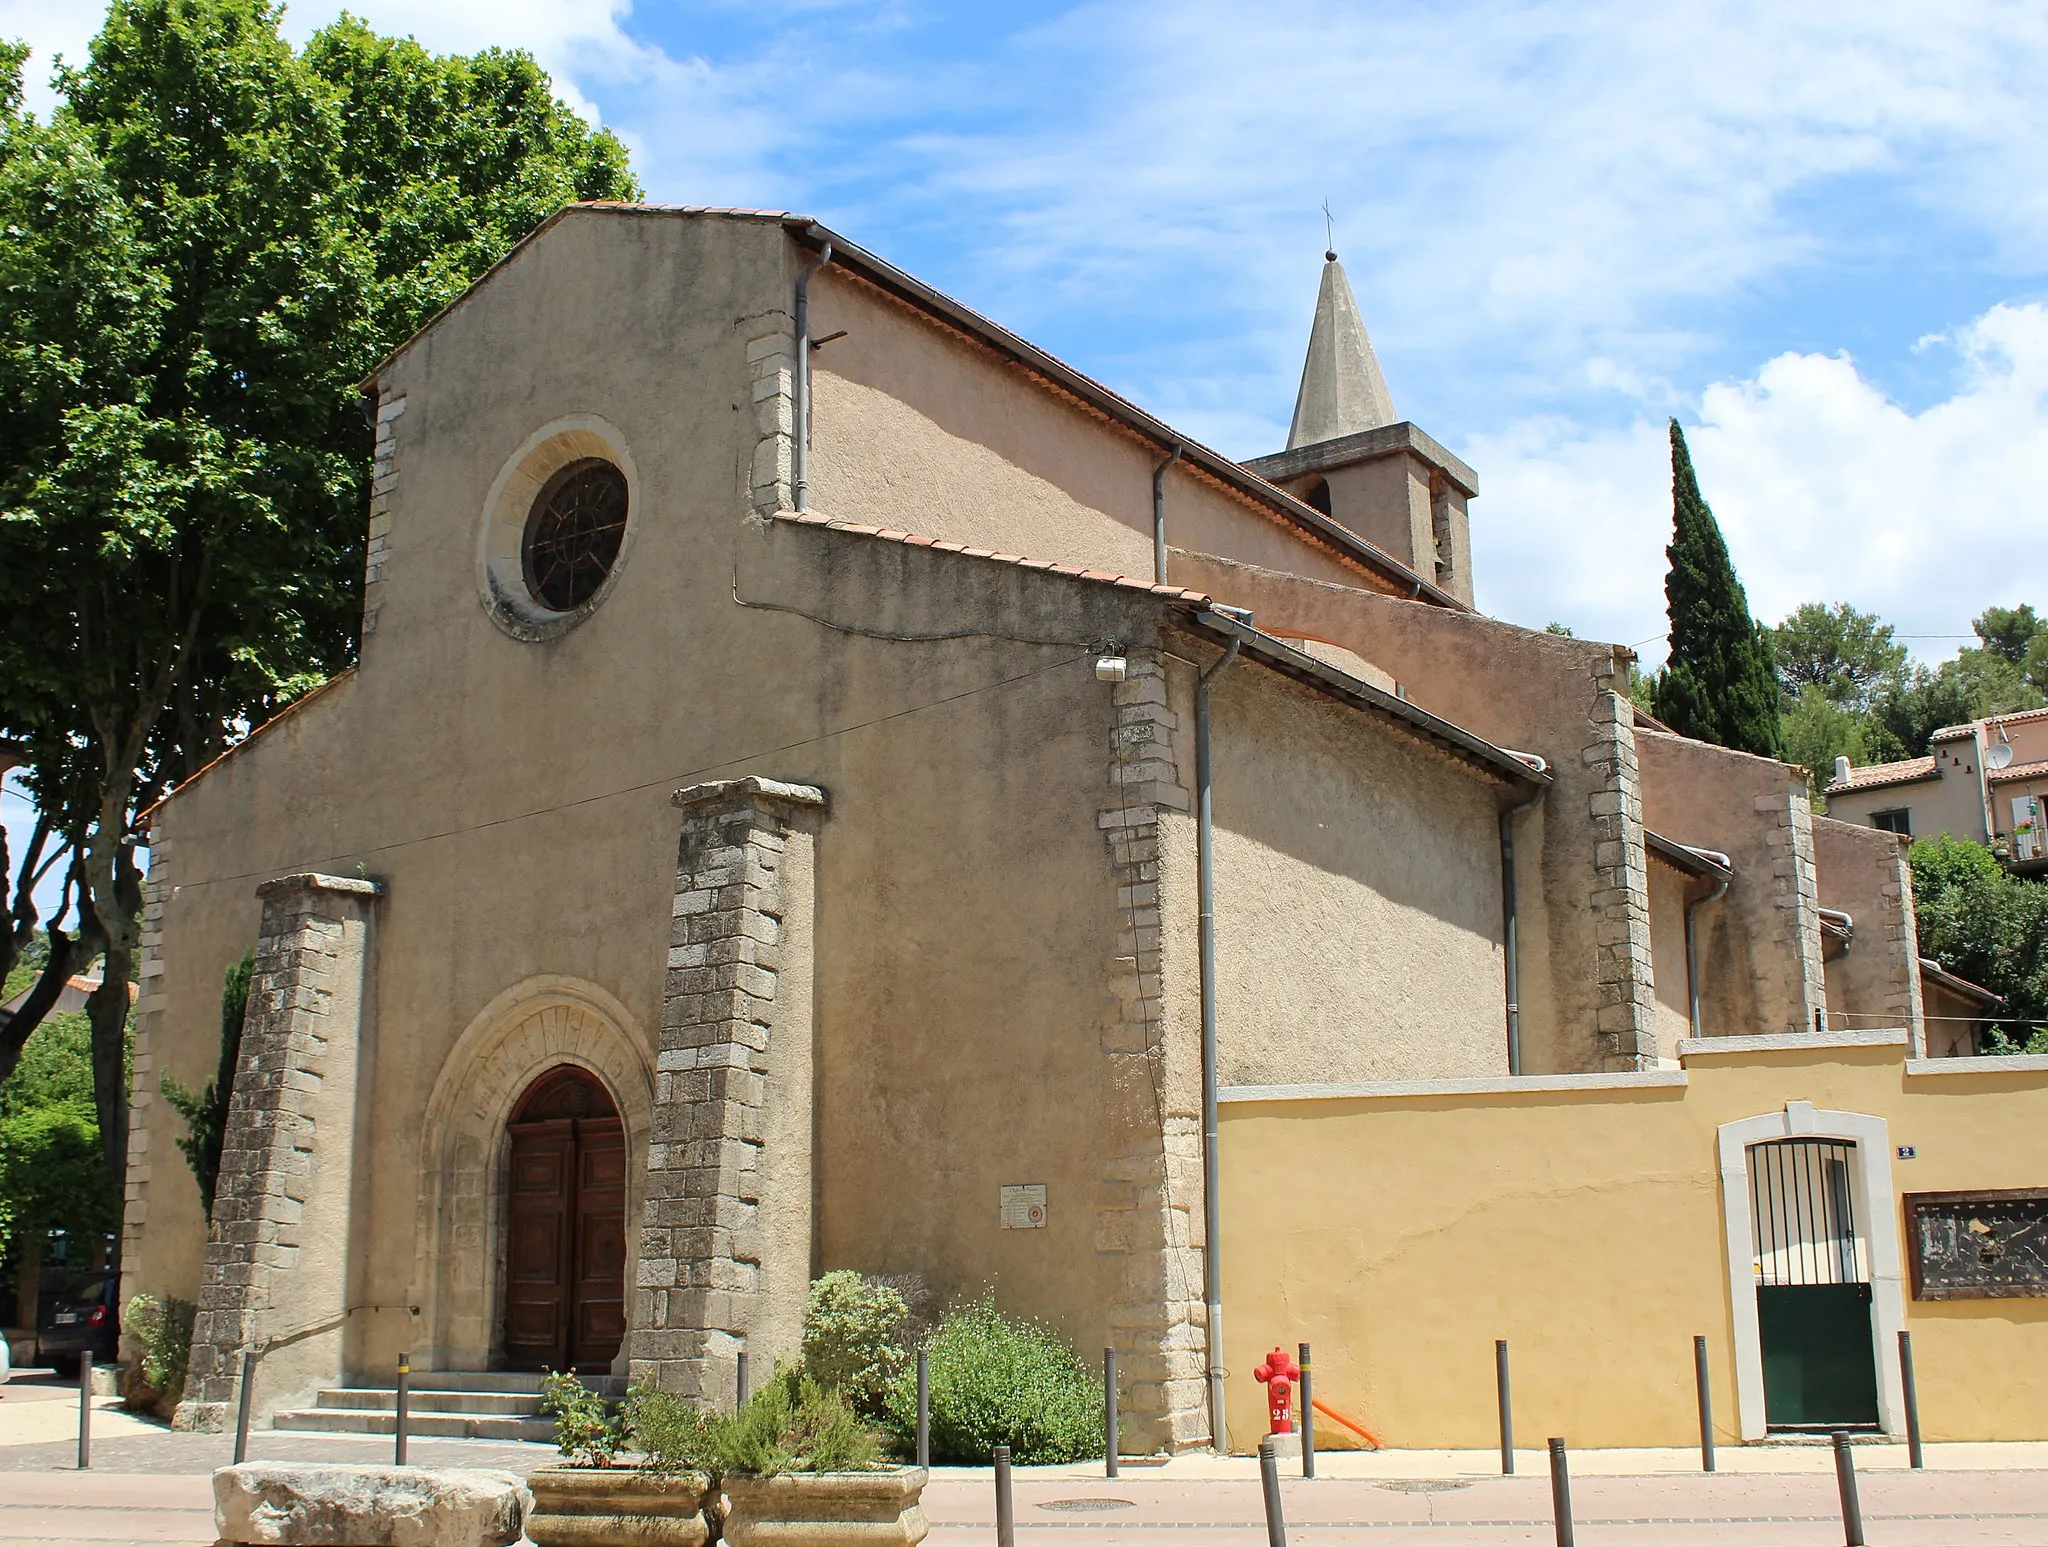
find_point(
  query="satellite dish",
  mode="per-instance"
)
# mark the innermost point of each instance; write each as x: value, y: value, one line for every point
x: 1998, y: 754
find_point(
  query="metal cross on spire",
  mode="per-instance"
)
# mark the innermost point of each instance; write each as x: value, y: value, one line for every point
x: 1329, y: 234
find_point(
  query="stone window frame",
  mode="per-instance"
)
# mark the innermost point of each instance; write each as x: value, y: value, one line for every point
x: 501, y: 533
x: 465, y: 1153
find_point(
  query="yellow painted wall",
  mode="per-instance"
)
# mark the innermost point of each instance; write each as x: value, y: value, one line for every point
x: 1402, y: 1233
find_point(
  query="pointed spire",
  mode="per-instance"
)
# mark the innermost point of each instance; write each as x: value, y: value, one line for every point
x: 1342, y: 390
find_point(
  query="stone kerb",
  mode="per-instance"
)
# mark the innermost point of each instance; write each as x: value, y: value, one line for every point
x: 367, y: 1506
x: 725, y: 1239
x: 275, y: 1266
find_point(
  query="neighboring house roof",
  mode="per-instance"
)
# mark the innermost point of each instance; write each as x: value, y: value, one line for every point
x: 1959, y: 732
x: 2035, y: 770
x: 1202, y: 615
x: 1931, y: 971
x: 1306, y: 519
x: 1707, y: 864
x: 1876, y: 775
x: 72, y: 997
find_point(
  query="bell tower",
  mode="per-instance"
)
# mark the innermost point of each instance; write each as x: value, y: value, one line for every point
x: 1352, y: 458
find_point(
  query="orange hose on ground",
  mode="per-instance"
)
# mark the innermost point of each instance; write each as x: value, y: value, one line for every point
x: 1352, y: 1424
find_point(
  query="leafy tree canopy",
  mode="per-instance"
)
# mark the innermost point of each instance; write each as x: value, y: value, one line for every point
x: 1844, y: 653
x: 1719, y: 684
x: 209, y: 243
x: 1983, y: 924
x: 51, y: 1175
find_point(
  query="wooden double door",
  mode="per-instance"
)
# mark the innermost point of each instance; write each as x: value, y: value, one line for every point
x: 565, y: 1296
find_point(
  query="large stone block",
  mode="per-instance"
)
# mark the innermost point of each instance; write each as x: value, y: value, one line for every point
x: 367, y: 1506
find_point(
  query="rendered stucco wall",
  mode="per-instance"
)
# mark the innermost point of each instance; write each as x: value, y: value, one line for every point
x: 1862, y: 872
x: 1669, y: 889
x: 1586, y: 1227
x: 919, y: 429
x: 1759, y: 946
x: 1587, y: 993
x: 1357, y: 896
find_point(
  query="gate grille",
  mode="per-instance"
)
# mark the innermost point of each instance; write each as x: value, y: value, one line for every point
x: 1804, y: 1213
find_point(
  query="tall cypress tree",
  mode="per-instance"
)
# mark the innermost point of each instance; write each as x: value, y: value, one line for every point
x: 1720, y: 683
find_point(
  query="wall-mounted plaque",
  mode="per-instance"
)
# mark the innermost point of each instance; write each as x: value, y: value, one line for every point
x: 1979, y: 1245
x: 1024, y: 1207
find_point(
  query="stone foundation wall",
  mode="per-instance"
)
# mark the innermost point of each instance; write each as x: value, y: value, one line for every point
x: 725, y: 1244
x: 276, y: 1277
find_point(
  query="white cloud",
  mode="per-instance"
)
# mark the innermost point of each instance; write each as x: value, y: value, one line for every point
x: 1826, y: 491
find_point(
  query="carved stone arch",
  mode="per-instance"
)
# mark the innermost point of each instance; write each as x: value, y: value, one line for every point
x: 537, y: 1025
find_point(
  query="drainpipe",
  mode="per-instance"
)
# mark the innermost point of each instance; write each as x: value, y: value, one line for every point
x: 1159, y: 517
x: 800, y: 388
x: 1509, y: 931
x: 1692, y: 969
x: 1212, y: 1228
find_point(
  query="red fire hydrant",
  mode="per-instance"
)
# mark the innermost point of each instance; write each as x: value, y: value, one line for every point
x: 1279, y: 1374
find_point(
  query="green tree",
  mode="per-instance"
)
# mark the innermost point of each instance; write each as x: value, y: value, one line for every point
x: 208, y: 244
x: 1719, y: 684
x: 51, y: 1175
x: 2009, y: 631
x: 206, y: 1112
x: 1819, y: 728
x: 1844, y: 653
x: 1984, y: 924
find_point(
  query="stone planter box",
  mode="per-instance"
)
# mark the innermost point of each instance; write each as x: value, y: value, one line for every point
x: 622, y: 1506
x: 827, y: 1509
x: 279, y: 1504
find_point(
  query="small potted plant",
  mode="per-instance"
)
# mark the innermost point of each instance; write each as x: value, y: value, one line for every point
x: 594, y: 1499
x: 799, y: 1469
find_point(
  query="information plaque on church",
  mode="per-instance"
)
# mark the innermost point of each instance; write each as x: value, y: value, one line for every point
x: 1979, y: 1245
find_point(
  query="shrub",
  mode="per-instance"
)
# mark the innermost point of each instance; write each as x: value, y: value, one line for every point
x: 164, y: 1330
x: 1000, y: 1381
x: 588, y: 1429
x: 853, y: 1338
x: 792, y: 1424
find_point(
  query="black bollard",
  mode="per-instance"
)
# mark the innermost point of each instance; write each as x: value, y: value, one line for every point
x: 85, y: 1412
x: 403, y: 1405
x: 739, y: 1380
x: 1911, y: 1391
x: 1560, y: 1493
x: 1269, y: 1484
x: 1109, y: 1434
x: 1845, y: 1479
x: 924, y: 1408
x: 1006, y: 1515
x: 1507, y: 1416
x: 1308, y: 1418
x: 242, y: 1407
x: 1699, y: 1375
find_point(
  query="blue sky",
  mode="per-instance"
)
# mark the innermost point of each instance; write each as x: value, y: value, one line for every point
x: 1818, y: 234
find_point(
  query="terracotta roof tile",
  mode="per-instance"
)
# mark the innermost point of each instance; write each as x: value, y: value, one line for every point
x: 1876, y: 775
x: 1958, y: 732
x: 2034, y: 770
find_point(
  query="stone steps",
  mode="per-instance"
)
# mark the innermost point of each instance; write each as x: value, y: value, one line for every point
x: 441, y: 1404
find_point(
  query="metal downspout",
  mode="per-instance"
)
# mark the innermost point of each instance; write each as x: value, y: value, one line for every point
x: 1159, y: 517
x: 800, y: 387
x: 1212, y: 1232
x: 1692, y: 971
x: 1510, y: 931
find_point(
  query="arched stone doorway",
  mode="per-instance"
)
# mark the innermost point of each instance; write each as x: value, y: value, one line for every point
x: 565, y: 1246
x: 527, y: 1032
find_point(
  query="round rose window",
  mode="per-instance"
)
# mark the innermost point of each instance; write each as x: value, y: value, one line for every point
x: 573, y: 534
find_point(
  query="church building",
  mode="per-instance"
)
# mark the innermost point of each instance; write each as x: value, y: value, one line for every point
x: 828, y: 785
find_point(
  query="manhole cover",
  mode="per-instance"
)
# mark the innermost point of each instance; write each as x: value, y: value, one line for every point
x: 1088, y: 1506
x: 1423, y: 1485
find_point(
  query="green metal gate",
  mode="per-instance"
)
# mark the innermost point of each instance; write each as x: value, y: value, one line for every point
x: 1812, y: 1287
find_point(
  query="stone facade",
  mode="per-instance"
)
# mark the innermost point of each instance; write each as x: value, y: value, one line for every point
x: 1795, y: 893
x: 725, y: 1243
x: 1620, y: 903
x: 1148, y: 1206
x: 276, y: 1275
x: 383, y: 479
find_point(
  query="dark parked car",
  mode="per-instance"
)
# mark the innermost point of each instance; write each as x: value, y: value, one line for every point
x: 86, y: 1317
